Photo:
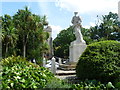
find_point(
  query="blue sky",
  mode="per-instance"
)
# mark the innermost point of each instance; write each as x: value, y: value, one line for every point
x: 60, y: 12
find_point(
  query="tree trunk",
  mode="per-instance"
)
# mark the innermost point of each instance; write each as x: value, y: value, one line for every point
x: 24, y: 50
x: 6, y: 50
x: 24, y: 46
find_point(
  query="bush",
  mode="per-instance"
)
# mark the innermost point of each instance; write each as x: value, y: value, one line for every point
x: 117, y: 85
x: 11, y: 61
x: 57, y: 83
x: 24, y: 74
x: 92, y: 85
x: 101, y: 61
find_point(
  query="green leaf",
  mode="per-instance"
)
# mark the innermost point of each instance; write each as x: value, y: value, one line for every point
x: 12, y: 84
x: 109, y: 85
x: 23, y: 80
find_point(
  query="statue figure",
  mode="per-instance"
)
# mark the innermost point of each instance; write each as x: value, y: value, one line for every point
x: 48, y: 29
x: 76, y: 21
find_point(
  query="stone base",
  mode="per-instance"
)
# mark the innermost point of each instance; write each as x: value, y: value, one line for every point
x: 76, y: 50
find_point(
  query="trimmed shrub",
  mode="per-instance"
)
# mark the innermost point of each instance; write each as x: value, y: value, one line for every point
x: 101, y: 61
x: 23, y: 74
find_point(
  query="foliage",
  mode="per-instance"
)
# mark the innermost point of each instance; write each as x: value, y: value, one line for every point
x: 62, y: 41
x: 101, y: 61
x: 86, y: 35
x: 11, y: 61
x: 107, y: 28
x: 117, y: 85
x: 30, y: 27
x: 23, y: 21
x: 9, y: 36
x: 23, y: 74
x: 37, y: 45
x: 92, y: 85
x: 23, y: 34
x: 57, y: 83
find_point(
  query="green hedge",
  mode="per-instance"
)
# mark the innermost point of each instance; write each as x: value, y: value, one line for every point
x: 101, y: 61
x: 23, y: 74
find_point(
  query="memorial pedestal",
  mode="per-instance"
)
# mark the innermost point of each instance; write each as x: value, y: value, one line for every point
x: 76, y: 50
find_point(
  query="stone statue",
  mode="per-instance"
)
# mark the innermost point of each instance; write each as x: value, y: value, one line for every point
x: 48, y: 29
x: 76, y: 21
x: 78, y: 46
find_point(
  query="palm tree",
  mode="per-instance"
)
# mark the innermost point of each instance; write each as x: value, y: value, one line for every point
x: 24, y: 24
x: 30, y: 26
x: 38, y: 37
x: 9, y: 37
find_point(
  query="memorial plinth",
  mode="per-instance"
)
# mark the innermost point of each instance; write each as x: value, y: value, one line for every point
x: 76, y: 50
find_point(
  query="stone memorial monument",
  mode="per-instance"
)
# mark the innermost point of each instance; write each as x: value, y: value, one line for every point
x: 119, y: 10
x: 78, y: 46
x: 49, y: 41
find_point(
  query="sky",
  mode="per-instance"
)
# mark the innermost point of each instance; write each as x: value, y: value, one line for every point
x: 60, y: 12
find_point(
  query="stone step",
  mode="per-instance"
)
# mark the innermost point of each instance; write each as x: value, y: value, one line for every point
x: 64, y: 72
x: 69, y: 76
x: 65, y: 76
x: 68, y: 66
x: 66, y: 69
x: 71, y: 79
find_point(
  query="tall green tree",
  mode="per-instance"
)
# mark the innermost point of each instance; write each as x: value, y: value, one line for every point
x: 9, y: 36
x: 37, y: 45
x: 31, y: 33
x: 29, y: 26
x: 24, y: 24
x: 107, y: 29
x: 62, y: 42
x: 86, y: 35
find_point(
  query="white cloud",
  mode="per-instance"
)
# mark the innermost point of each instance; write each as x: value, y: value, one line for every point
x: 86, y: 26
x: 88, y: 6
x: 55, y: 30
x: 90, y: 24
x: 27, y: 0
